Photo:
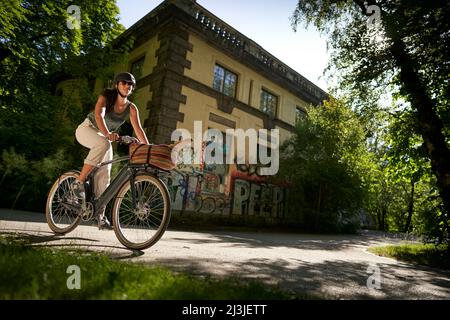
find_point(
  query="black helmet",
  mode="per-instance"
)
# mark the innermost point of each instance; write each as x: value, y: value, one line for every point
x: 125, y: 76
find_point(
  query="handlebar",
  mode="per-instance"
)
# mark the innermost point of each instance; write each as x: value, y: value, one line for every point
x: 127, y: 140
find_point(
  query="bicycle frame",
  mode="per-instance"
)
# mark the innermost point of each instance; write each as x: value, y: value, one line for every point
x: 125, y: 173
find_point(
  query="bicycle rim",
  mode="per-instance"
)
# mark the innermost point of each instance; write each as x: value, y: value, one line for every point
x: 141, y: 226
x: 61, y: 217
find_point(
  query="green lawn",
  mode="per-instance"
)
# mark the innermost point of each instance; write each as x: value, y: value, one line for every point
x: 28, y: 272
x: 425, y: 254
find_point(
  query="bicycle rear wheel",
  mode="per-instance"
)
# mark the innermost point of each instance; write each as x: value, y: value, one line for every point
x: 62, y: 208
x: 141, y: 225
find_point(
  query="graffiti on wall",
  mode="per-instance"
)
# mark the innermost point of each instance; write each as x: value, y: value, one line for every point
x: 259, y: 199
x: 198, y: 191
x: 210, y: 190
x: 238, y: 189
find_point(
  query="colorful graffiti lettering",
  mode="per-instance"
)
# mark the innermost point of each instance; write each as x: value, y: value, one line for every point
x: 260, y: 199
x: 206, y: 192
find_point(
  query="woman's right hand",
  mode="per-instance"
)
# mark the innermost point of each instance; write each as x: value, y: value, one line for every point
x: 112, y: 136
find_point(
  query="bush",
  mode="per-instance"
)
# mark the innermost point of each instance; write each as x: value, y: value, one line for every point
x: 25, y: 183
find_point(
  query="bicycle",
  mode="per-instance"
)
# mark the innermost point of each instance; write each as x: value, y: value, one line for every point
x: 141, y: 210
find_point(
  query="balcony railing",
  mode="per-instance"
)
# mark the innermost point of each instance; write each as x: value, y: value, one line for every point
x: 236, y: 41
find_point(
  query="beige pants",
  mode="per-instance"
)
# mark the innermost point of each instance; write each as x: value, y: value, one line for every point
x: 101, y: 151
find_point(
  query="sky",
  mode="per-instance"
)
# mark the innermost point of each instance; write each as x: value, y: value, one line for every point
x: 264, y: 21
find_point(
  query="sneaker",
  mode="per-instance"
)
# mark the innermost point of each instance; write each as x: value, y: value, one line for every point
x: 78, y: 189
x: 103, y: 224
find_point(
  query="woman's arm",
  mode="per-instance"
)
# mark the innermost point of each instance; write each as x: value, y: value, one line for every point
x: 136, y: 123
x: 99, y: 112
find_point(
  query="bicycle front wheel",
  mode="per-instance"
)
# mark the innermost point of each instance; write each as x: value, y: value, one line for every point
x: 63, y: 207
x: 140, y: 224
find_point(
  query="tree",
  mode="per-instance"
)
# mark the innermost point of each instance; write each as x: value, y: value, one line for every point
x: 325, y: 162
x: 40, y: 46
x: 405, y: 52
x: 409, y: 167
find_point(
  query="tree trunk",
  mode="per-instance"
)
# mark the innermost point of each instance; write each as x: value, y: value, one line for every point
x: 410, y: 207
x: 430, y: 125
x: 380, y: 227
x: 319, y: 201
x: 383, y: 218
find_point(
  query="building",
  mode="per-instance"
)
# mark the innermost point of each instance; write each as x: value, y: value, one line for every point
x: 192, y: 66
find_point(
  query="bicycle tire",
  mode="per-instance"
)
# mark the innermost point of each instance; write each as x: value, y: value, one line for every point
x: 141, y: 227
x: 61, y: 219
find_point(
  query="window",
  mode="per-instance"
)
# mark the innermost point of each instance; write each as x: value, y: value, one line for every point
x: 300, y: 114
x: 269, y: 102
x: 137, y: 68
x: 225, y: 81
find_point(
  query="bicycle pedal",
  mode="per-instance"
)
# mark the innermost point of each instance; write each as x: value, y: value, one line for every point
x: 104, y: 224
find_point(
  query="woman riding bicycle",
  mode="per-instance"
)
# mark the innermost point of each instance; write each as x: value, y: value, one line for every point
x: 97, y: 132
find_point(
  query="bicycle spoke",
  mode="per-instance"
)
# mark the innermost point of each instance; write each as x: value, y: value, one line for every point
x: 60, y: 218
x: 142, y: 224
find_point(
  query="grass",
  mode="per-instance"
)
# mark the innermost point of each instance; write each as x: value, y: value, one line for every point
x: 30, y: 272
x: 424, y: 254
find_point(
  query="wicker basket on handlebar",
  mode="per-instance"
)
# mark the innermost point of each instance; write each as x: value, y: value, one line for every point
x: 158, y: 155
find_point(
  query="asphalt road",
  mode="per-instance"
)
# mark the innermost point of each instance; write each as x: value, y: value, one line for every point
x: 333, y: 266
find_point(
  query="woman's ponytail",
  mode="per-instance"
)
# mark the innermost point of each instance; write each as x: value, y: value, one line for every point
x: 111, y: 98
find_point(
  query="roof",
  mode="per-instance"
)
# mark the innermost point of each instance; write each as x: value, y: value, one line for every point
x: 245, y: 50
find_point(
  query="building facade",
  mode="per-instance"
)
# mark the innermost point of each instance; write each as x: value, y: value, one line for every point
x: 191, y: 66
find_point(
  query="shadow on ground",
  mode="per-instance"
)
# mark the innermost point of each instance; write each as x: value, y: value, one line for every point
x: 39, y: 240
x: 330, y: 279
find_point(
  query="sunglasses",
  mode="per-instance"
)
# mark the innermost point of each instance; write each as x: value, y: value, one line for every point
x: 127, y: 82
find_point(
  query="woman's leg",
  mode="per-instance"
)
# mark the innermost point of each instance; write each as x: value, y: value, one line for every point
x: 99, y: 146
x: 102, y: 180
x: 100, y: 151
x: 103, y: 175
x: 87, y: 168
